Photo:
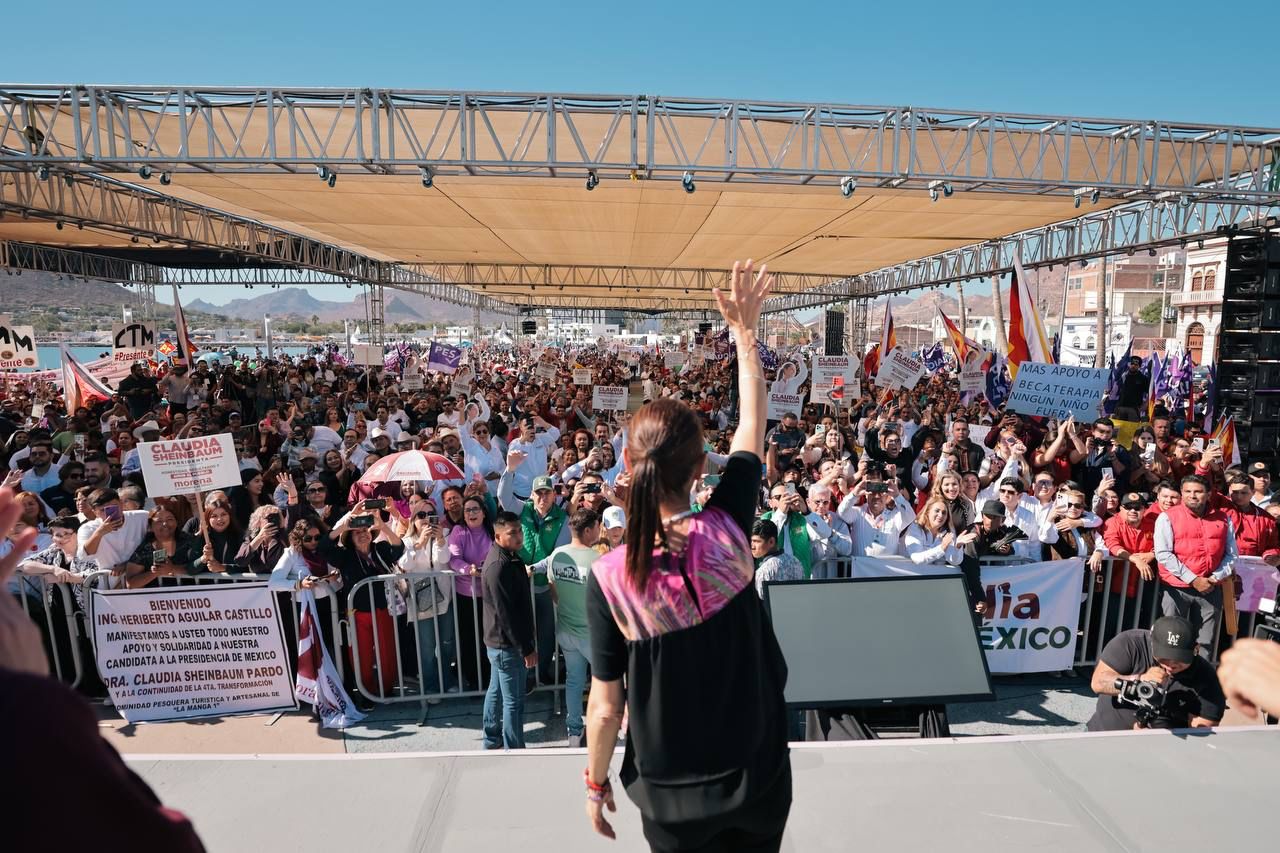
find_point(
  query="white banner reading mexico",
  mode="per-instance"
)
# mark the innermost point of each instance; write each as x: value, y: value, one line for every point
x: 1058, y: 390
x: 1032, y: 614
x: 189, y: 465
x: 610, y: 398
x: 181, y: 652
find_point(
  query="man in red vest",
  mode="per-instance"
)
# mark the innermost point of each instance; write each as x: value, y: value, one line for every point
x: 1195, y: 548
x: 1255, y: 528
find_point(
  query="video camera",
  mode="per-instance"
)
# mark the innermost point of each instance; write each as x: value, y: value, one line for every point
x: 1147, y: 698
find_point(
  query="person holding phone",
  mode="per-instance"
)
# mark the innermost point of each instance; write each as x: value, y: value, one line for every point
x: 426, y: 549
x: 112, y: 535
x: 166, y: 551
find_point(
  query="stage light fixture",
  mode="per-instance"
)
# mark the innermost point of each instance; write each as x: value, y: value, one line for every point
x: 686, y: 181
x: 428, y: 177
x: 947, y: 189
x: 1151, y: 252
x: 43, y: 173
x: 1184, y: 200
x: 165, y: 179
x: 133, y: 239
x: 1200, y: 244
x: 58, y: 224
x: 1129, y: 251
x: 144, y: 172
x: 1084, y: 262
x: 68, y: 180
x: 848, y: 186
x: 333, y: 179
x: 1094, y: 196
x: 322, y: 172
x: 593, y: 180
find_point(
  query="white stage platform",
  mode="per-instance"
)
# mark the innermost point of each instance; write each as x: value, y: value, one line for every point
x: 1158, y: 791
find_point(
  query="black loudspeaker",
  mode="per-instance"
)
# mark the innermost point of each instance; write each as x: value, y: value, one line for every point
x: 834, y: 333
x: 704, y: 329
x: 1248, y: 386
x: 528, y: 327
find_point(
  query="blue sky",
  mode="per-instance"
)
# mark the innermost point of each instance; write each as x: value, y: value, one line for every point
x: 1127, y: 60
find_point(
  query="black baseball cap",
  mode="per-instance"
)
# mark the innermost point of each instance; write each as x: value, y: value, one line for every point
x: 1173, y: 639
x: 1134, y: 500
x: 1259, y: 468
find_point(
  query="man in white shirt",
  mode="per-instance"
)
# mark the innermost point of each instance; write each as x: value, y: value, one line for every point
x: 43, y: 473
x: 113, y: 535
x: 876, y: 526
x: 1016, y: 514
x: 384, y: 422
x: 838, y: 543
x: 174, y: 388
x: 450, y: 417
x: 322, y: 439
x: 533, y: 446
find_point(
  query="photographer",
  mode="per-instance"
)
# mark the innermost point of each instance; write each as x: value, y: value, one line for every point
x: 1188, y: 694
x: 1101, y: 457
x: 786, y: 441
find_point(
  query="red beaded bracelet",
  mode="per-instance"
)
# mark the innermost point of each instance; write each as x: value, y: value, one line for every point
x: 592, y: 786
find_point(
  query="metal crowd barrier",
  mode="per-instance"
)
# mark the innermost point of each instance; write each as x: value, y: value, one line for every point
x: 1103, y: 614
x: 51, y: 606
x: 408, y: 689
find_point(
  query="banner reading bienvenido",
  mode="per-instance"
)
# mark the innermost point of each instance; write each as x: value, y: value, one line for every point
x: 610, y: 398
x: 189, y: 465
x: 1058, y: 390
x: 183, y: 652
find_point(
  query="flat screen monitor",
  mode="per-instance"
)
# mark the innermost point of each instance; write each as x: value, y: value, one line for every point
x: 857, y: 642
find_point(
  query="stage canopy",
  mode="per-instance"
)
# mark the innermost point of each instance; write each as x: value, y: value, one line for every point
x: 585, y: 201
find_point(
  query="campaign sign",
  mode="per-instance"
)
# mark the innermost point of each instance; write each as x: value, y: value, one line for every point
x: 132, y: 342
x: 784, y: 404
x: 182, y: 652
x: 610, y: 398
x: 1058, y: 390
x: 672, y: 359
x: 412, y: 381
x: 189, y: 465
x: 832, y: 380
x: 545, y: 370
x: 17, y: 347
x: 581, y: 376
x: 900, y: 370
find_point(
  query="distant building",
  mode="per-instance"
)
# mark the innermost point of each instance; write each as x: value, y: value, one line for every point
x: 1199, y: 301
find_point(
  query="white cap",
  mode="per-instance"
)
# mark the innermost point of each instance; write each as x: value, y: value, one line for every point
x: 614, y: 517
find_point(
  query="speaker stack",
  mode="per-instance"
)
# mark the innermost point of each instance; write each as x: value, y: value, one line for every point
x: 528, y: 327
x: 834, y: 333
x: 1249, y: 347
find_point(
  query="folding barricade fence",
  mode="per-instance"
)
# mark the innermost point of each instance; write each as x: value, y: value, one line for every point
x: 426, y: 643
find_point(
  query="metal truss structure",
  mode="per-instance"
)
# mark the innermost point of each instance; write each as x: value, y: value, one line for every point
x: 645, y: 137
x: 1125, y: 229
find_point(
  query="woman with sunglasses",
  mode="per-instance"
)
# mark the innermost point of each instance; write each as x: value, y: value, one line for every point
x: 1063, y: 532
x: 367, y: 547
x: 426, y: 549
x: 305, y: 564
x: 484, y: 455
x: 469, y: 544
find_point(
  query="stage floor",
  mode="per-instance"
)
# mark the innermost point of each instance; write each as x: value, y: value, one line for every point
x: 1144, y: 791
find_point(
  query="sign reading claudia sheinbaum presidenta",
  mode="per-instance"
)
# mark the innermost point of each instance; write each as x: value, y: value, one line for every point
x: 1058, y: 390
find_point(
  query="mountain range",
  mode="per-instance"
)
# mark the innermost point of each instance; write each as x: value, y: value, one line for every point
x: 299, y: 303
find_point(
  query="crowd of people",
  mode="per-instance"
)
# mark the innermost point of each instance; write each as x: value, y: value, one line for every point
x: 925, y: 474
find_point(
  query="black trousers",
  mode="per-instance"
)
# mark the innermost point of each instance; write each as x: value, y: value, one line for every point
x: 473, y: 660
x: 755, y: 828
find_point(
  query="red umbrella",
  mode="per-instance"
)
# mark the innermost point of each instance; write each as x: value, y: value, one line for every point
x: 412, y: 465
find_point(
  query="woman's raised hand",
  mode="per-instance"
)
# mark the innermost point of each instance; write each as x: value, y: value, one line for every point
x: 748, y: 289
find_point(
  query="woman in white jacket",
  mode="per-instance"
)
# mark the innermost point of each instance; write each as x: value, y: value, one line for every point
x: 304, y: 565
x: 430, y: 602
x: 929, y: 540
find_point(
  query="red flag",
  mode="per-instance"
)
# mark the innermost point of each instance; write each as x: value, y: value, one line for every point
x: 1027, y: 340
x: 185, y: 351
x: 79, y: 386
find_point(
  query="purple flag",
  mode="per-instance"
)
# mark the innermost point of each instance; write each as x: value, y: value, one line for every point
x: 443, y: 358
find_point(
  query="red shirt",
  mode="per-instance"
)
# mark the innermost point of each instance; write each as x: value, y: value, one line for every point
x: 1255, y: 530
x: 1119, y: 535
